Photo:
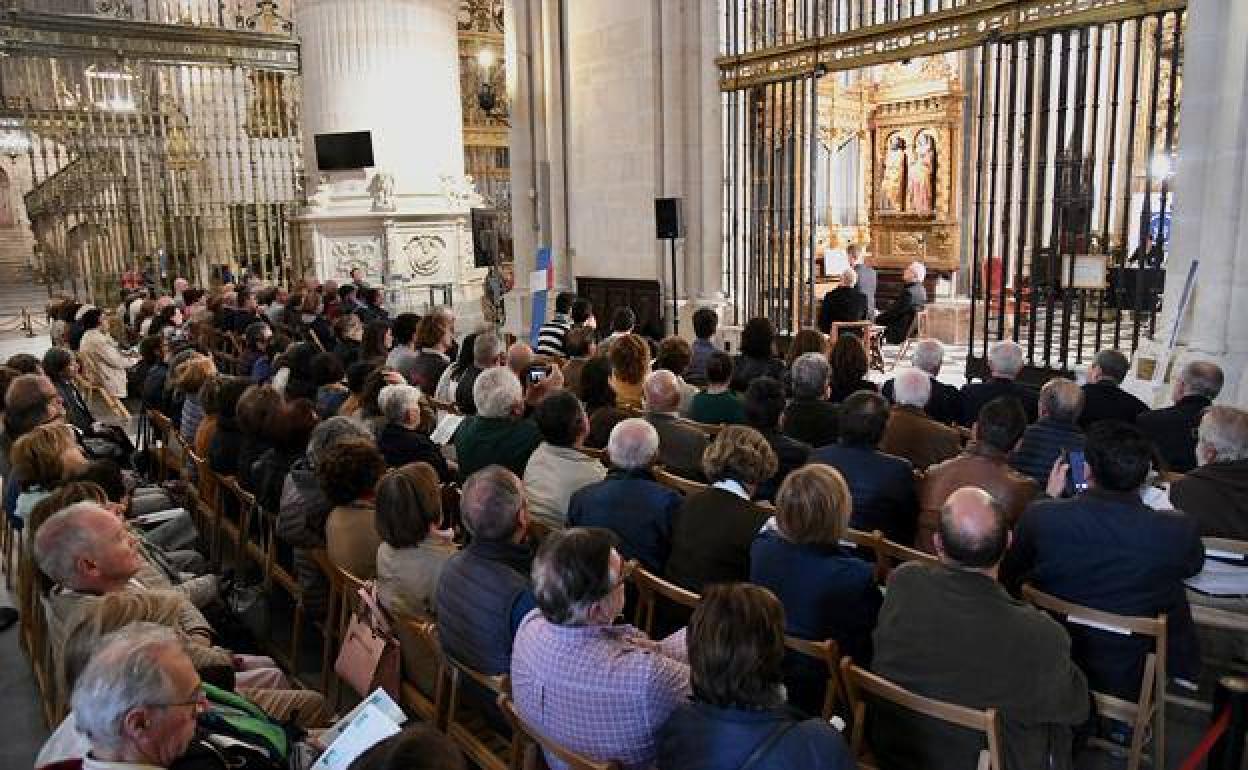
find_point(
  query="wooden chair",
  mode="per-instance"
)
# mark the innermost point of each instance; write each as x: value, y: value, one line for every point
x: 710, y: 430
x: 208, y: 513
x: 679, y: 483
x: 1150, y: 706
x: 829, y: 653
x: 1232, y: 552
x: 860, y: 682
x: 650, y: 589
x: 332, y: 622
x: 527, y: 739
x: 238, y: 530
x: 444, y: 406
x: 895, y: 554
x: 275, y: 574
x: 95, y: 382
x: 858, y: 328
x: 423, y: 635
x: 485, y: 747
x: 598, y: 454
x: 165, y: 455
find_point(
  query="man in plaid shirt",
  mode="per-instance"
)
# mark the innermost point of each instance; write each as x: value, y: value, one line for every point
x: 599, y: 689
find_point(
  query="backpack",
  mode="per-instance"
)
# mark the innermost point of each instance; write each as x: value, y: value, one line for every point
x: 247, y: 737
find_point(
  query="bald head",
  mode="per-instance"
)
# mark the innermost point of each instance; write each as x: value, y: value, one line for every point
x: 662, y: 392
x: 634, y: 443
x: 519, y: 358
x: 973, y: 530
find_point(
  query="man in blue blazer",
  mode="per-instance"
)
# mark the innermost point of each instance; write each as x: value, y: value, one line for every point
x: 1105, y: 549
x: 881, y: 485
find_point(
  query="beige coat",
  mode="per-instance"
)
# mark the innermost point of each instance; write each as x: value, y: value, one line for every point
x: 109, y: 361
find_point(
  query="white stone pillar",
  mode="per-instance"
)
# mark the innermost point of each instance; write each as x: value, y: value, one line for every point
x: 390, y: 67
x: 1211, y: 196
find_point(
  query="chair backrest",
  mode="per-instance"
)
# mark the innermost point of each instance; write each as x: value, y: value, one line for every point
x: 711, y: 430
x: 651, y: 588
x: 829, y: 652
x: 678, y: 483
x: 522, y: 730
x: 1225, y: 549
x: 598, y: 454
x: 842, y: 327
x: 444, y: 406
x: 896, y: 553
x: 860, y: 682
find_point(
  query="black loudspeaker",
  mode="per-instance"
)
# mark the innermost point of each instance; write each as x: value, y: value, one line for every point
x: 484, y: 237
x: 668, y: 222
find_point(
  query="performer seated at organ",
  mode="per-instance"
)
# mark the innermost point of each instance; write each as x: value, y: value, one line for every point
x: 898, y: 317
x: 844, y: 303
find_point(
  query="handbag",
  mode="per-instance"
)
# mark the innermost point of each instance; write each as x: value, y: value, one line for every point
x: 370, y: 655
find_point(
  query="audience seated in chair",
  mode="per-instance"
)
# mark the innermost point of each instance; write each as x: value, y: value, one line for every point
x: 673, y: 355
x: 487, y: 352
x: 415, y: 546
x: 705, y: 324
x: 484, y: 590
x: 1005, y: 362
x: 1107, y: 550
x: 842, y: 304
x: 599, y: 689
x: 1215, y: 492
x: 983, y: 464
x: 418, y: 747
x: 758, y: 355
x: 1173, y: 429
x: 764, y: 408
x: 557, y: 469
x: 809, y: 417
x: 405, y: 437
x: 882, y: 486
x: 945, y: 404
x: 898, y: 318
x: 630, y: 368
x: 580, y: 347
x: 714, y: 529
x: 951, y: 632
x: 910, y: 433
x: 348, y: 471
x: 738, y: 713
x: 718, y: 404
x: 1103, y: 396
x: 849, y: 363
x: 599, y: 399
x: 680, y: 444
x: 629, y: 502
x: 406, y: 351
x: 1057, y: 430
x: 498, y: 434
x: 827, y: 592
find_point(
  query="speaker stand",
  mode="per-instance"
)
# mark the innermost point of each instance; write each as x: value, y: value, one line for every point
x: 671, y: 242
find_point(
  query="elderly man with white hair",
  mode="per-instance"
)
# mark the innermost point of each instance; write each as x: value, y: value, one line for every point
x: 1005, y: 362
x: 910, y: 432
x: 629, y: 502
x: 498, y: 434
x: 898, y: 318
x: 404, y: 438
x: 680, y: 444
x: 137, y: 700
x: 487, y: 352
x: 843, y: 304
x: 945, y: 405
x: 1173, y: 429
x: 1215, y: 492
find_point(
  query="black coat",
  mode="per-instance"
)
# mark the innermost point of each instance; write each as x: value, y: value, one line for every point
x: 899, y: 316
x: 746, y: 369
x: 711, y: 538
x: 1173, y: 431
x: 842, y: 304
x: 945, y: 405
x: 1107, y: 401
x: 976, y: 394
x: 400, y: 446
x: 882, y: 488
x: 812, y: 421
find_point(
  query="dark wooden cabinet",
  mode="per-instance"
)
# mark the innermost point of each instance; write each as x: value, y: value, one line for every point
x: 607, y: 294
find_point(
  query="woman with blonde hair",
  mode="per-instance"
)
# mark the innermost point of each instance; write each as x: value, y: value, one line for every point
x: 188, y: 378
x: 630, y: 364
x: 827, y: 592
x: 43, y: 459
x: 712, y: 532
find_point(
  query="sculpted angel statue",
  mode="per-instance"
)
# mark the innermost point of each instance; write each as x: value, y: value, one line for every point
x: 893, y: 178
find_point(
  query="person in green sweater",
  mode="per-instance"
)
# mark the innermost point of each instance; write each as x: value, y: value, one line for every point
x: 717, y: 404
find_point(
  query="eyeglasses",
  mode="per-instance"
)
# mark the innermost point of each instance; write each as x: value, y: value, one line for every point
x: 199, y: 699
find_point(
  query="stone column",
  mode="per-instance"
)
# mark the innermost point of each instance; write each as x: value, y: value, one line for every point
x: 390, y: 67
x: 1211, y: 197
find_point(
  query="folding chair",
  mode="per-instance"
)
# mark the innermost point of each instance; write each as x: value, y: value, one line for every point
x: 918, y: 330
x: 164, y: 429
x: 860, y: 682
x: 468, y: 728
x: 276, y: 574
x: 527, y: 739
x: 829, y: 653
x: 1150, y: 707
x: 679, y: 483
x: 1233, y: 553
x: 423, y: 636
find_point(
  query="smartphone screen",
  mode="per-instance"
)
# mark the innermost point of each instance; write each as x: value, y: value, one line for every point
x: 1078, y: 470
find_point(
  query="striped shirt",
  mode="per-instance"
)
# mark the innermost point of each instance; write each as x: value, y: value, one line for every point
x: 550, y: 337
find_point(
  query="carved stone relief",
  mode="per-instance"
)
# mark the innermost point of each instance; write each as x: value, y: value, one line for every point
x: 347, y: 254
x: 425, y: 254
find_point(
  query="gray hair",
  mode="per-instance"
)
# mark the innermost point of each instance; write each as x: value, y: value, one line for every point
x: 571, y: 573
x: 395, y: 401
x: 124, y: 674
x: 929, y: 355
x: 61, y: 539
x: 333, y: 430
x: 1113, y: 365
x: 1224, y: 429
x: 1005, y: 359
x: 809, y: 375
x: 490, y: 503
x: 919, y: 270
x: 1202, y: 378
x: 486, y: 349
x: 1062, y: 400
x: 633, y: 444
x: 912, y: 387
x: 496, y: 392
x: 849, y: 278
x: 662, y: 392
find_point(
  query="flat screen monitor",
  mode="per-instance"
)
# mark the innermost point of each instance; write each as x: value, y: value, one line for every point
x: 344, y: 152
